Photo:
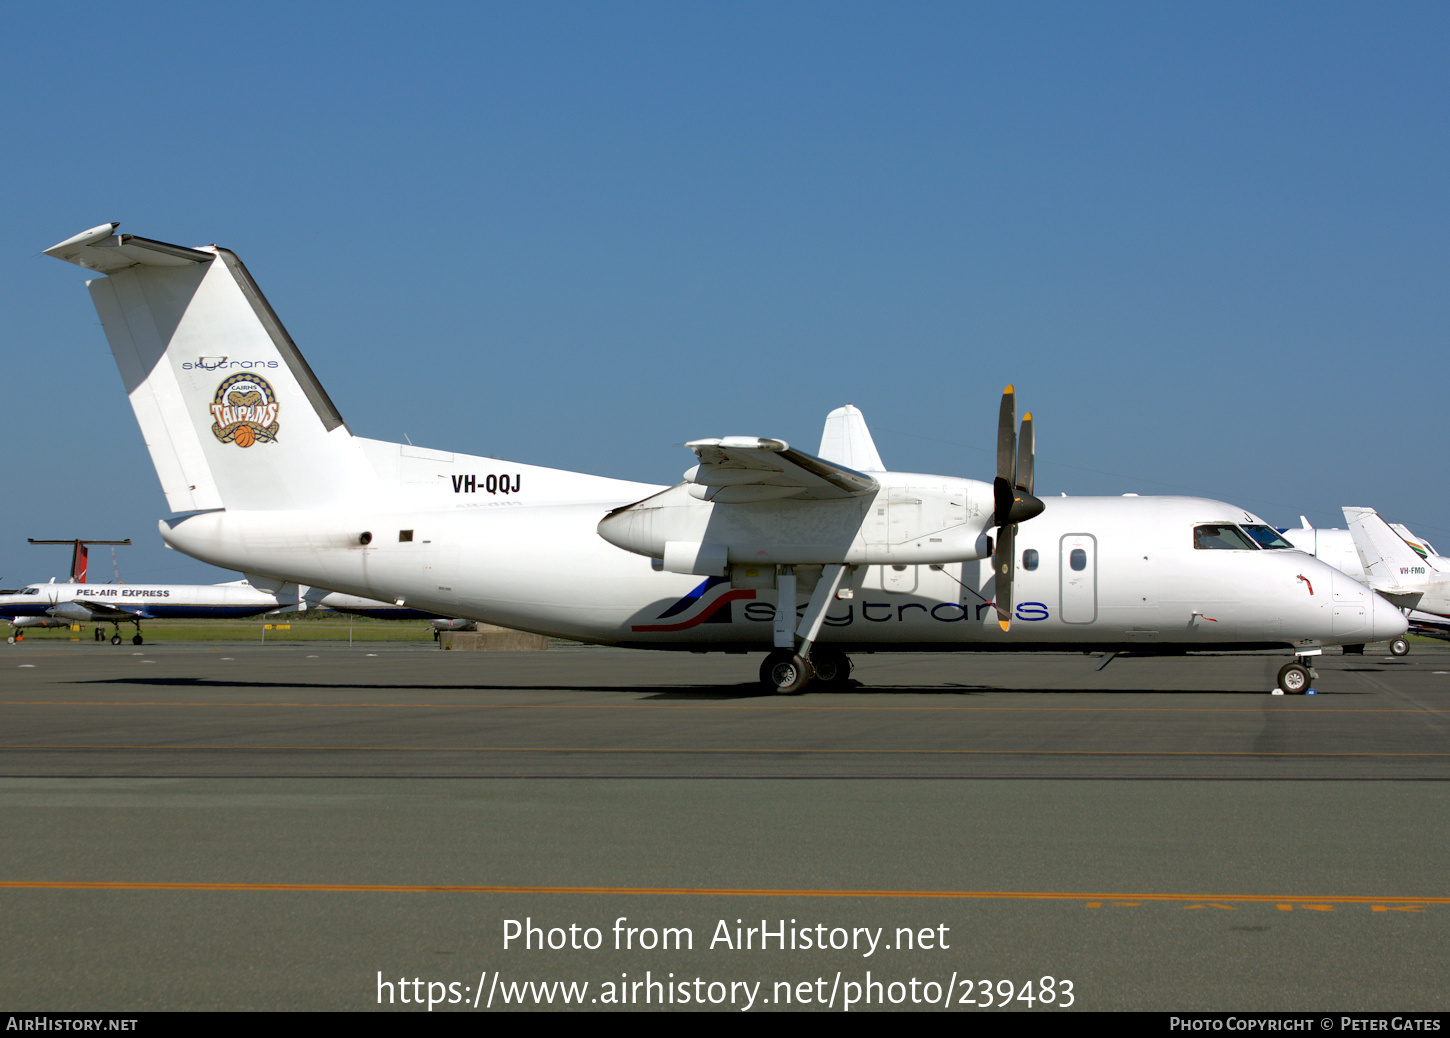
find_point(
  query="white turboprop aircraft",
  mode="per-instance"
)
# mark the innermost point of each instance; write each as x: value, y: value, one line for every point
x: 45, y: 605
x: 243, y: 436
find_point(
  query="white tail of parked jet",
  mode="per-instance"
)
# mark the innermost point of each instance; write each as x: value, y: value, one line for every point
x: 1394, y: 568
x: 1388, y: 560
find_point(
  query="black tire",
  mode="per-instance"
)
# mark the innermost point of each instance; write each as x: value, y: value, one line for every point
x: 785, y: 673
x: 1399, y: 647
x: 115, y: 639
x: 831, y: 668
x: 1293, y: 679
x: 137, y: 640
x: 1354, y: 650
x: 11, y: 639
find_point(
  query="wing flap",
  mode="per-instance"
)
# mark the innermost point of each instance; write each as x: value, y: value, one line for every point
x: 740, y: 469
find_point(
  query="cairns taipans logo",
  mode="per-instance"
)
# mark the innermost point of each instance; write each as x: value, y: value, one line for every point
x: 245, y: 411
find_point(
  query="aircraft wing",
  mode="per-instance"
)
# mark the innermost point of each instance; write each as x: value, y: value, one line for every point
x: 110, y: 610
x: 742, y: 469
x: 1429, y: 624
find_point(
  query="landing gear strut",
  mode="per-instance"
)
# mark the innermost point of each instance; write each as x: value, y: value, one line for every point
x: 793, y: 664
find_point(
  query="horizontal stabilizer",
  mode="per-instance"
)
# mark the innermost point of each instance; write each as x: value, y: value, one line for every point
x: 103, y: 250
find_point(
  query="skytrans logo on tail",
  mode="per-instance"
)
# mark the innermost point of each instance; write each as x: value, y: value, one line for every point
x: 245, y: 411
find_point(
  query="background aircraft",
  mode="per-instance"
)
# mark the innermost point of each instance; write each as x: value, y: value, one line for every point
x: 370, y: 607
x: 118, y: 604
x: 76, y: 602
x: 1339, y: 549
x: 80, y: 555
x: 243, y: 435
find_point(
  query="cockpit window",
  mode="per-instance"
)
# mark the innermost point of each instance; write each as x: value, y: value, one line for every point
x: 1222, y: 535
x: 1267, y: 536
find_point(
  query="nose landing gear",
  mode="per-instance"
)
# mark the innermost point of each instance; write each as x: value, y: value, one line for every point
x: 1294, y: 678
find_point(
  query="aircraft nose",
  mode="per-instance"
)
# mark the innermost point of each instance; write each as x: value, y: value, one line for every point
x: 1386, y: 620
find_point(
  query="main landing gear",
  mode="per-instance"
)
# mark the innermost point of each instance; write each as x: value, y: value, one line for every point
x: 795, y: 662
x: 136, y: 638
x: 786, y: 673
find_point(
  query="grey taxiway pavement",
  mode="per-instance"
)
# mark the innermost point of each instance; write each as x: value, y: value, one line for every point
x: 304, y: 826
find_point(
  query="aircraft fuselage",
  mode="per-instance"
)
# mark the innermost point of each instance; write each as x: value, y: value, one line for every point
x: 1106, y: 573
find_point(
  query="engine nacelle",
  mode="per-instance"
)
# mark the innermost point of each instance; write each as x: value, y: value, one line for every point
x: 898, y: 524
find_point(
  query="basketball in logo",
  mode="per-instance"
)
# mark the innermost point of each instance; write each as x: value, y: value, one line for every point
x: 244, y: 411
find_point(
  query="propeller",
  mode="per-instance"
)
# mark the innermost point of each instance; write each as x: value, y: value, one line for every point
x: 1012, y: 497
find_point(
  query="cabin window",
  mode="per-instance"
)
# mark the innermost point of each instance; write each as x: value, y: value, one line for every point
x: 1222, y: 535
x: 1029, y: 559
x: 405, y: 535
x: 1077, y: 559
x: 1267, y: 536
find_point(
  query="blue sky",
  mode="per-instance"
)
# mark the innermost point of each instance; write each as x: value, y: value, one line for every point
x: 1207, y: 242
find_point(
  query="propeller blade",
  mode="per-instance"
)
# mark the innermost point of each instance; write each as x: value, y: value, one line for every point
x: 1002, y: 499
x: 1002, y: 570
x: 1007, y: 437
x: 1026, y: 446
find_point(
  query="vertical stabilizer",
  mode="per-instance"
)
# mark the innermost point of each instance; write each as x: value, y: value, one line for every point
x: 846, y: 441
x: 231, y: 412
x: 1388, y: 560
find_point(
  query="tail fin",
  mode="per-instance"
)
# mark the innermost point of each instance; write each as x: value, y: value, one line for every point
x: 1389, y: 561
x: 846, y: 441
x: 80, y: 555
x: 231, y: 413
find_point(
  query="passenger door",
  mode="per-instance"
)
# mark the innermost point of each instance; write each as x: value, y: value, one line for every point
x: 1078, y: 566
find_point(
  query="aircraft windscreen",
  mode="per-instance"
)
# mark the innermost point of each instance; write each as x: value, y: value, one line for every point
x: 1267, y: 536
x: 1222, y: 535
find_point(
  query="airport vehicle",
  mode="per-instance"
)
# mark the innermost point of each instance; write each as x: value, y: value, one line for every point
x: 55, y: 604
x: 248, y: 444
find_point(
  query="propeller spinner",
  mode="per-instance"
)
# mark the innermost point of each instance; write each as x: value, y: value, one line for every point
x: 1013, y: 500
